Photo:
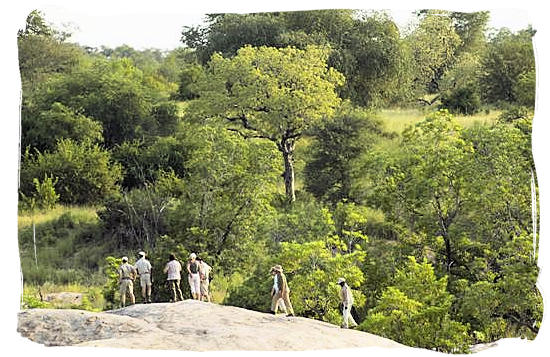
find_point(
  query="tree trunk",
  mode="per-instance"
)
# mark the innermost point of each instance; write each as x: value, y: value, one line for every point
x: 288, y: 151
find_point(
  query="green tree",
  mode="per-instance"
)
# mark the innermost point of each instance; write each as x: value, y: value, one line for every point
x: 509, y: 58
x: 85, y: 172
x: 366, y: 48
x: 227, y: 33
x: 112, y: 92
x: 42, y: 129
x: 312, y: 270
x: 434, y: 44
x: 428, y: 185
x: 271, y: 94
x: 43, y: 51
x: 228, y: 185
x: 416, y: 311
x: 339, y: 142
x: 142, y: 162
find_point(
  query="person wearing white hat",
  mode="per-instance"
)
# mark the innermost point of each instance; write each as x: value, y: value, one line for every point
x: 144, y: 269
x: 280, y: 291
x: 346, y: 298
x: 126, y: 276
x: 193, y: 270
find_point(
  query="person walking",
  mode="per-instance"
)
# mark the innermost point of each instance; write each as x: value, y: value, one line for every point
x: 144, y: 269
x: 193, y: 270
x: 205, y: 270
x: 126, y: 276
x: 173, y: 271
x: 346, y: 298
x: 280, y: 291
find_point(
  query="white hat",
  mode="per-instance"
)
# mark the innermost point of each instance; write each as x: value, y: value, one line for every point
x: 142, y: 253
x: 124, y: 259
x: 341, y: 280
x: 192, y: 255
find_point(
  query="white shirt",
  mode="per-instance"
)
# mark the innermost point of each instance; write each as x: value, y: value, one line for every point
x: 173, y: 268
x: 346, y: 296
x: 275, y: 287
x: 143, y: 266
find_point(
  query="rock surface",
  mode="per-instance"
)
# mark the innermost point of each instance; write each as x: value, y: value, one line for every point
x: 189, y: 325
x: 64, y: 298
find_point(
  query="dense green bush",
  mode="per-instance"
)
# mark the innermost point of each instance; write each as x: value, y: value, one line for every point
x: 85, y: 173
x: 462, y: 101
x: 41, y: 129
x: 416, y: 311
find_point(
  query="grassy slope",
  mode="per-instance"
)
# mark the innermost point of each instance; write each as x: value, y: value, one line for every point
x: 68, y: 250
x: 398, y: 119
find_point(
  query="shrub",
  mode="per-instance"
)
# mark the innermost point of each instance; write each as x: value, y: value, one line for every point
x: 462, y: 101
x: 416, y: 311
x: 85, y: 172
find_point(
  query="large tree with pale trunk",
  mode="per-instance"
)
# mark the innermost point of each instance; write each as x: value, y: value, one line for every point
x: 270, y: 94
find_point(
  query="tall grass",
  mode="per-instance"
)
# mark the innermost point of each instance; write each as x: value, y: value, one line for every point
x: 26, y: 218
x: 69, y: 246
x: 396, y: 120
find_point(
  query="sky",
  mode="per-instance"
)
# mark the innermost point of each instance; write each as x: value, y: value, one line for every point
x: 158, y: 28
x: 158, y: 23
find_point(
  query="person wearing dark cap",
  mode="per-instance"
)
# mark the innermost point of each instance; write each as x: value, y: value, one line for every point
x: 280, y: 291
x: 346, y: 298
x: 126, y: 276
x: 144, y: 269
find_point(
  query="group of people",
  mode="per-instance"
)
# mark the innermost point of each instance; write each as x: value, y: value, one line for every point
x: 280, y: 297
x: 198, y: 277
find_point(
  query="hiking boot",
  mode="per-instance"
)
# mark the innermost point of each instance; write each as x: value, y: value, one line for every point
x: 289, y: 315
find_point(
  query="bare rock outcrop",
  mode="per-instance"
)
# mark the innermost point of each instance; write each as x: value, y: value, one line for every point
x: 189, y: 325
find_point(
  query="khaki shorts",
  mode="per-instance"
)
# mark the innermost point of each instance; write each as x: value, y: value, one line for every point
x: 145, y: 279
x: 204, y: 287
x: 126, y: 285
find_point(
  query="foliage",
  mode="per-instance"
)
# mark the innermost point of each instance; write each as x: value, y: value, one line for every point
x: 187, y: 78
x: 111, y: 287
x: 364, y: 47
x: 84, y: 172
x: 434, y: 153
x: 462, y: 101
x: 43, y: 52
x: 100, y: 126
x: 143, y: 162
x: 434, y: 44
x: 45, y: 192
x: 509, y: 64
x: 271, y: 94
x: 115, y: 93
x: 228, y: 184
x: 415, y: 311
x: 312, y: 271
x: 525, y: 89
x: 42, y: 130
x: 339, y: 142
x: 136, y: 218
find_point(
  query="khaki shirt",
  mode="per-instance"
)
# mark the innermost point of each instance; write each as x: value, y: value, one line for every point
x: 126, y: 271
x: 282, y: 285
